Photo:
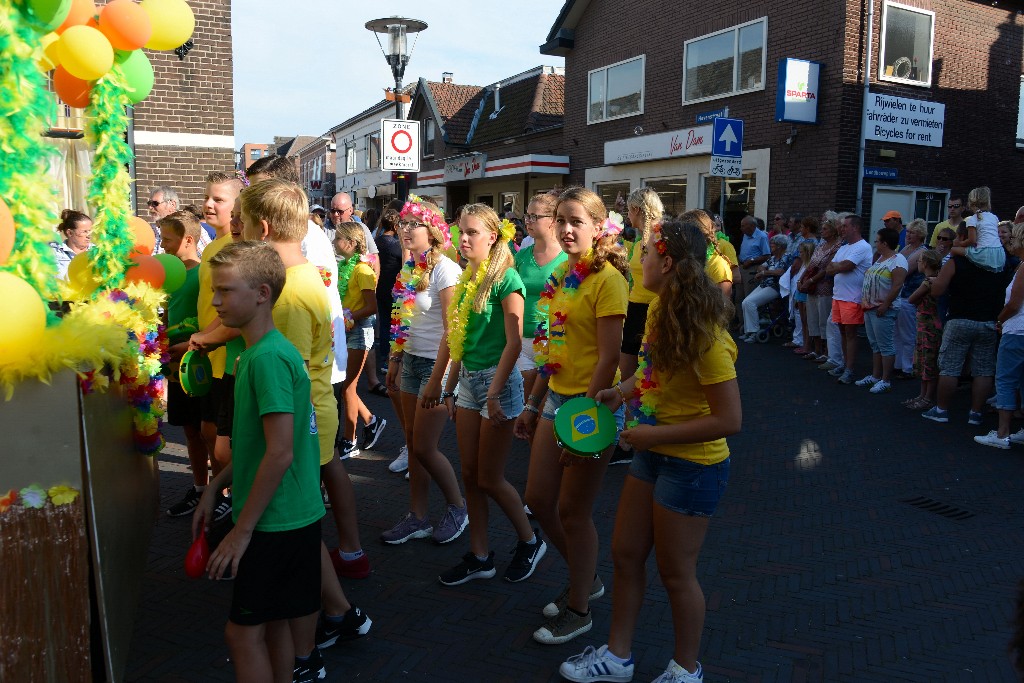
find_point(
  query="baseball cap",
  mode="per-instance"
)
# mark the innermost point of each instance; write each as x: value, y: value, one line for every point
x: 317, y: 207
x: 892, y: 214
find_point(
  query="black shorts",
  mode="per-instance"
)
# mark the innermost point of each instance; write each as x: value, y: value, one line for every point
x: 633, y: 328
x: 209, y: 405
x: 182, y: 410
x: 226, y: 414
x: 278, y: 577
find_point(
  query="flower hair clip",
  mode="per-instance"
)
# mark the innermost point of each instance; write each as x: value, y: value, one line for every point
x: 659, y: 240
x: 612, y: 224
x: 414, y: 207
x: 240, y: 174
x: 507, y: 229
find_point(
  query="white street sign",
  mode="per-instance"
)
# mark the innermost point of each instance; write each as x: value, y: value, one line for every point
x: 400, y: 142
x: 726, y: 167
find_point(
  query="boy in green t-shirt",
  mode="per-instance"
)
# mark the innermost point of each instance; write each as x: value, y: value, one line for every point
x: 179, y: 233
x: 273, y: 551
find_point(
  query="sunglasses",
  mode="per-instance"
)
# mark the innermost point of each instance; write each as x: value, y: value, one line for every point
x: 152, y: 204
x: 955, y: 206
x: 944, y: 239
x: 340, y: 211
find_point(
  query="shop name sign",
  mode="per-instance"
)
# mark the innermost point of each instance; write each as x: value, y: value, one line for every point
x: 465, y: 168
x: 400, y: 142
x: 900, y: 119
x: 797, y: 92
x: 677, y: 143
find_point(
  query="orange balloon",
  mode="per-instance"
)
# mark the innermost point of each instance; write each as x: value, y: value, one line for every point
x: 125, y: 24
x: 81, y: 12
x: 145, y: 268
x: 6, y: 232
x: 145, y: 239
x: 71, y: 90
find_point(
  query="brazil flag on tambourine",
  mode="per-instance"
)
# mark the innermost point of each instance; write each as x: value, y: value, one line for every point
x: 195, y: 373
x: 584, y: 427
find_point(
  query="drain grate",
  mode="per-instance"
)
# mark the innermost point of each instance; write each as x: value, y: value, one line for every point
x: 938, y: 507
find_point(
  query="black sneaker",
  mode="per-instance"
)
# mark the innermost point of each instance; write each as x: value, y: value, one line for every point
x: 187, y: 504
x: 355, y: 624
x: 372, y: 432
x: 223, y: 507
x: 621, y: 456
x: 347, y: 449
x: 470, y: 568
x: 312, y: 669
x: 525, y: 558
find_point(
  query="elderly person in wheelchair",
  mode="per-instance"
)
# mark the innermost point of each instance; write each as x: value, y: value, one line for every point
x: 767, y: 290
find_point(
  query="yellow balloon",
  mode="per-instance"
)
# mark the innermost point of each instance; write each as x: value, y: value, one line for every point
x: 173, y: 23
x: 81, y: 277
x: 22, y: 318
x: 85, y: 53
x: 51, y: 51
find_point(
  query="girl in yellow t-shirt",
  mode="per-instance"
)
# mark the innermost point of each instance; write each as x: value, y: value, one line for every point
x: 684, y: 400
x: 585, y: 303
x: 357, y: 285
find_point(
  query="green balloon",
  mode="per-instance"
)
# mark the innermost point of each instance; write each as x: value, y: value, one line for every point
x: 175, y: 272
x: 45, y: 15
x: 138, y: 75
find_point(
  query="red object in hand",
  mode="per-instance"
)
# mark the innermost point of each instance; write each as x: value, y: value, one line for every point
x: 197, y: 556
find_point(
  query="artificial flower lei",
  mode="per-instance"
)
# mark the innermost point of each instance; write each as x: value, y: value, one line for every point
x: 427, y: 216
x: 404, y: 294
x: 644, y: 405
x: 612, y: 225
x: 561, y: 285
x: 659, y: 240
x: 507, y: 230
x: 345, y: 269
x: 459, y: 314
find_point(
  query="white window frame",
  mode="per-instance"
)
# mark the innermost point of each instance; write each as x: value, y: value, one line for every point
x: 643, y: 88
x: 881, y: 45
x: 351, y: 158
x: 735, y: 60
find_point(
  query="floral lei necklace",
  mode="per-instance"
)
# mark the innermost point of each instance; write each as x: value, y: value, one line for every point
x: 556, y: 293
x: 458, y: 315
x: 404, y: 294
x: 345, y: 268
x: 644, y: 405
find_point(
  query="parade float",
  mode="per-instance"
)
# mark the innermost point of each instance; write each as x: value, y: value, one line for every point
x: 80, y: 361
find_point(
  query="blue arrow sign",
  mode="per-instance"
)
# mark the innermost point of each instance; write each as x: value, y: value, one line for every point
x: 727, y: 139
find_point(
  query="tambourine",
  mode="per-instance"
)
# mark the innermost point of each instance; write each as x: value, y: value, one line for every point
x: 584, y: 427
x: 195, y: 373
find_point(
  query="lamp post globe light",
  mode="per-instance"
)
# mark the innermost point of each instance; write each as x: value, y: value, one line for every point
x: 397, y: 53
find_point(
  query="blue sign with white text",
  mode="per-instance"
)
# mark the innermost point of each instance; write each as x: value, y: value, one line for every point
x: 881, y: 172
x: 727, y: 139
x: 709, y: 116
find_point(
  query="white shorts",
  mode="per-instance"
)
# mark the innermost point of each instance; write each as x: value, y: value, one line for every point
x: 525, y: 362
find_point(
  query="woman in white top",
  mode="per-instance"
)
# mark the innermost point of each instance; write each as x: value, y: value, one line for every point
x: 417, y: 365
x: 77, y: 230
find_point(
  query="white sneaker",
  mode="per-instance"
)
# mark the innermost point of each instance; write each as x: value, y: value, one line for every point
x: 880, y: 387
x: 867, y: 381
x: 1018, y: 436
x: 596, y: 665
x: 993, y: 439
x: 677, y: 674
x: 401, y: 463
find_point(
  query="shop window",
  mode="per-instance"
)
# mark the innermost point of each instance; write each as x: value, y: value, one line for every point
x: 740, y: 194
x: 614, y: 195
x: 510, y: 202
x: 907, y: 38
x: 725, y: 63
x: 672, y: 192
x: 373, y: 150
x: 428, y: 137
x: 616, y: 91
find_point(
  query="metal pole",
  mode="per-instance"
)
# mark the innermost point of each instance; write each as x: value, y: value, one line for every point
x: 864, y: 109
x: 398, y: 103
x: 721, y: 204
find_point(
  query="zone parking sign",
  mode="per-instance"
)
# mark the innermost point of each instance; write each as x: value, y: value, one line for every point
x: 400, y: 142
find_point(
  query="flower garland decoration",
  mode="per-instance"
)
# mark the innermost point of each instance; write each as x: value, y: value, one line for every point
x: 459, y: 314
x: 345, y: 269
x: 404, y: 294
x: 611, y: 226
x: 561, y: 285
x: 415, y: 207
x: 659, y: 241
x: 8, y: 499
x: 35, y: 496
x: 644, y: 405
x: 507, y: 230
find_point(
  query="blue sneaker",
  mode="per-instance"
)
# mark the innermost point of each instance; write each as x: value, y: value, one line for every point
x: 936, y: 414
x: 973, y: 418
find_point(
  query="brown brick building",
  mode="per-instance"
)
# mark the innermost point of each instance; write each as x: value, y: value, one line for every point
x: 644, y: 80
x: 249, y: 153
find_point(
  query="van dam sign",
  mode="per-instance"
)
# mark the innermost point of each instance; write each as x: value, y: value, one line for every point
x: 899, y: 119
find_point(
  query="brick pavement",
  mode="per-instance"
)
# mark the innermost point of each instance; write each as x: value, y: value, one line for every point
x: 815, y: 567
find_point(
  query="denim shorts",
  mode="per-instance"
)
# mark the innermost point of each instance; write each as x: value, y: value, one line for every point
x: 474, y: 385
x: 1009, y: 370
x: 525, y: 361
x: 416, y: 372
x: 680, y: 485
x: 555, y: 400
x: 360, y: 337
x: 881, y: 331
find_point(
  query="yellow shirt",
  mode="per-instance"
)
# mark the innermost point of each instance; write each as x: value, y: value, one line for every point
x: 681, y: 398
x: 600, y: 295
x: 717, y: 268
x: 638, y: 294
x: 303, y: 315
x: 204, y: 306
x: 729, y: 252
x: 362, y: 278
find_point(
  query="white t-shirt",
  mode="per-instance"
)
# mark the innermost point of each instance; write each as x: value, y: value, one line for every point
x: 319, y: 251
x: 988, y: 229
x: 1015, y: 323
x: 848, y: 285
x: 426, y: 327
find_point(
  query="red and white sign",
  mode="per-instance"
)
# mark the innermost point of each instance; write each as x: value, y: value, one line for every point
x: 465, y: 168
x: 494, y: 168
x: 400, y: 140
x: 676, y: 143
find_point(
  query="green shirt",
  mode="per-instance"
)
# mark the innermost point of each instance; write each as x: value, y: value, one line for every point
x: 485, y: 333
x: 234, y: 349
x: 534, y: 278
x: 272, y: 378
x: 183, y: 308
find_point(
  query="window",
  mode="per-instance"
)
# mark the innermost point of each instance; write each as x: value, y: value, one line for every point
x: 614, y: 195
x: 672, y: 192
x: 350, y: 157
x: 373, y: 150
x: 428, y: 137
x: 254, y: 154
x: 616, y: 91
x: 906, y: 54
x: 725, y: 63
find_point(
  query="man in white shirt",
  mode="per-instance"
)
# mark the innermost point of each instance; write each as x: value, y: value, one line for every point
x: 341, y: 212
x: 849, y: 265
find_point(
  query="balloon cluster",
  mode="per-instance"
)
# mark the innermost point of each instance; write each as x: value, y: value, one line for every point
x: 81, y: 44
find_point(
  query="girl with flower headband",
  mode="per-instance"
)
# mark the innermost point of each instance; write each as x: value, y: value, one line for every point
x: 418, y: 361
x: 357, y: 285
x: 683, y: 401
x: 583, y: 306
x: 485, y: 327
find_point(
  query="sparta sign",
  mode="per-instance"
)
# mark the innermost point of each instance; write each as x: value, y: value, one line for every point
x: 400, y: 140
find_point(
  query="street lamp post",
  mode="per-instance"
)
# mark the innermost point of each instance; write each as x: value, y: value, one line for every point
x: 397, y: 53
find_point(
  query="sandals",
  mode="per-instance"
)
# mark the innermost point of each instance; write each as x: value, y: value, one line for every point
x: 918, y: 403
x: 379, y: 390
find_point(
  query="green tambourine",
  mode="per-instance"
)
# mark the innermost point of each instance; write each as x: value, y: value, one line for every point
x: 195, y: 373
x: 584, y: 427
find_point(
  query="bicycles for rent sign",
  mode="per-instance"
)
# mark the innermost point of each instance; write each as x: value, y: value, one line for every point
x: 400, y: 140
